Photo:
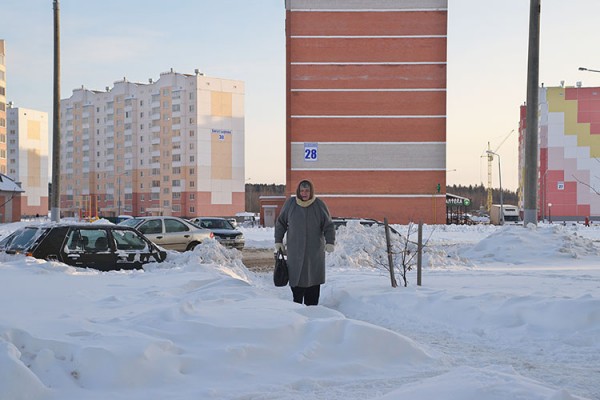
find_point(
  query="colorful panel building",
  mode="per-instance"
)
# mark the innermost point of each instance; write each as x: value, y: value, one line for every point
x: 28, y: 157
x: 170, y: 147
x: 569, y: 152
x: 366, y: 105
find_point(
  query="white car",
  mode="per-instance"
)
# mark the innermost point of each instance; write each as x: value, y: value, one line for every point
x: 170, y: 233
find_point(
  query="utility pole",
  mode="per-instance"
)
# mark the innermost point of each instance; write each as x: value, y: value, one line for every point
x: 531, y: 134
x: 55, y: 195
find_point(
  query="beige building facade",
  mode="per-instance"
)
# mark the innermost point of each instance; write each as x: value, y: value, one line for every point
x: 27, y: 154
x: 170, y: 147
x: 2, y: 108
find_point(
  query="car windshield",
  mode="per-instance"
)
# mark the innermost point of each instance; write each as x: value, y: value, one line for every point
x: 129, y: 240
x: 23, y: 238
x: 216, y: 224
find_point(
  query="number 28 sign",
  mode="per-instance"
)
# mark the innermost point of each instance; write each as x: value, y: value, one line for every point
x: 311, y: 151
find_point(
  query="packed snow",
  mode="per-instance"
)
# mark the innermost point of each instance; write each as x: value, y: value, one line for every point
x: 502, y: 313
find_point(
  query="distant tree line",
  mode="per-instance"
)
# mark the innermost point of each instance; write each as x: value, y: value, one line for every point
x: 255, y: 190
x: 478, y: 195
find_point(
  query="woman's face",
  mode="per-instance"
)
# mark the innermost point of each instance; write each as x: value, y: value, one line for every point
x: 304, y: 193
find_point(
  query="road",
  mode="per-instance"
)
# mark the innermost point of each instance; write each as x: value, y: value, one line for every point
x: 258, y: 260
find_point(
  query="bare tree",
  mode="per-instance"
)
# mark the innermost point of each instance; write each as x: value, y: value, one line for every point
x: 403, y: 251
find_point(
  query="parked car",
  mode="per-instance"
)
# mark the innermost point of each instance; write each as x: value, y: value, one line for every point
x: 171, y: 233
x: 98, y: 246
x: 223, y: 230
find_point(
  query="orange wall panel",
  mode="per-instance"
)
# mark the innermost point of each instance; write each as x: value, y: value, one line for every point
x: 368, y: 103
x: 431, y: 210
x: 372, y: 182
x: 396, y: 76
x: 368, y: 50
x: 374, y: 23
x: 368, y: 129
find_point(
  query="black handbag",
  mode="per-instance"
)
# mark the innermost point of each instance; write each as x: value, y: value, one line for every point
x: 280, y: 274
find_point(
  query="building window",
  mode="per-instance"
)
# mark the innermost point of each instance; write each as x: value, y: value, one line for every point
x: 192, y: 184
x: 192, y: 209
x: 192, y: 196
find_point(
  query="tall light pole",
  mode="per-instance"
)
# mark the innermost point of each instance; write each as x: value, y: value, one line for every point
x: 55, y: 195
x: 489, y: 152
x: 531, y: 134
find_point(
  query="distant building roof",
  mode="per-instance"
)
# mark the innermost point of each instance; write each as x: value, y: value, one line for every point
x: 8, y: 185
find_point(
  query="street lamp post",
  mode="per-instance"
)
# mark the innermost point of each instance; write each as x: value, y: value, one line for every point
x: 500, y: 181
x: 550, y: 212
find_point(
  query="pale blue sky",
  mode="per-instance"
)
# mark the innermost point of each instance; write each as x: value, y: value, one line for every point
x: 104, y: 41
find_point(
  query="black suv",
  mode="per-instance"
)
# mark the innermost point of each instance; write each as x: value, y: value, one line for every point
x: 98, y: 246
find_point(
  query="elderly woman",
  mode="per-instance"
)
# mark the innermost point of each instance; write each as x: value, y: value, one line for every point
x: 310, y: 232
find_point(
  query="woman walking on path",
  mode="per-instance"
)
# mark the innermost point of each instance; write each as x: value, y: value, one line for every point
x: 310, y: 232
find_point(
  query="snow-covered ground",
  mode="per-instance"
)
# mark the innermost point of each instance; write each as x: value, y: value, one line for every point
x: 503, y: 313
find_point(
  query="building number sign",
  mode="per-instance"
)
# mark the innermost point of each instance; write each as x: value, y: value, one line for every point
x: 221, y: 133
x: 311, y: 151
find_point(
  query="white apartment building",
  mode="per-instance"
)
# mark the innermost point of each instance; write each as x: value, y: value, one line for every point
x: 170, y: 147
x: 27, y: 155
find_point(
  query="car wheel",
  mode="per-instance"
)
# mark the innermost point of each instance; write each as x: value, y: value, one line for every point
x: 192, y: 246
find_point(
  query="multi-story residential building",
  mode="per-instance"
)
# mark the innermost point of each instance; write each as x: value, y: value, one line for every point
x: 170, y: 147
x: 27, y: 149
x: 2, y: 108
x: 569, y: 152
x: 366, y: 105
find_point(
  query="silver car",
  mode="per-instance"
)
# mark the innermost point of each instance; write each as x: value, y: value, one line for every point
x: 170, y: 233
x: 223, y: 230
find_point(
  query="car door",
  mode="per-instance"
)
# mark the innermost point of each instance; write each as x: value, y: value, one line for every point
x: 133, y: 250
x: 89, y: 248
x: 152, y: 228
x: 177, y: 234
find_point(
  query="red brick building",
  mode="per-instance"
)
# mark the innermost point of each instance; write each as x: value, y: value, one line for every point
x: 366, y: 106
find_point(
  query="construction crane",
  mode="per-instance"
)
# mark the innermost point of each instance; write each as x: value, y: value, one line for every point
x: 490, y: 159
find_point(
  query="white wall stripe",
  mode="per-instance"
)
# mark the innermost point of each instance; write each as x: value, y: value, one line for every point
x: 376, y: 143
x: 372, y: 90
x: 368, y: 169
x: 370, y: 63
x: 372, y: 10
x: 368, y: 116
x: 368, y: 37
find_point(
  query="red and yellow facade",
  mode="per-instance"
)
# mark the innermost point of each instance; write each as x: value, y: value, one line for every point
x: 569, y: 150
x: 366, y: 106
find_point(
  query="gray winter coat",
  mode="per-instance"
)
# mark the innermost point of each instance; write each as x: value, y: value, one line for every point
x: 308, y: 229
